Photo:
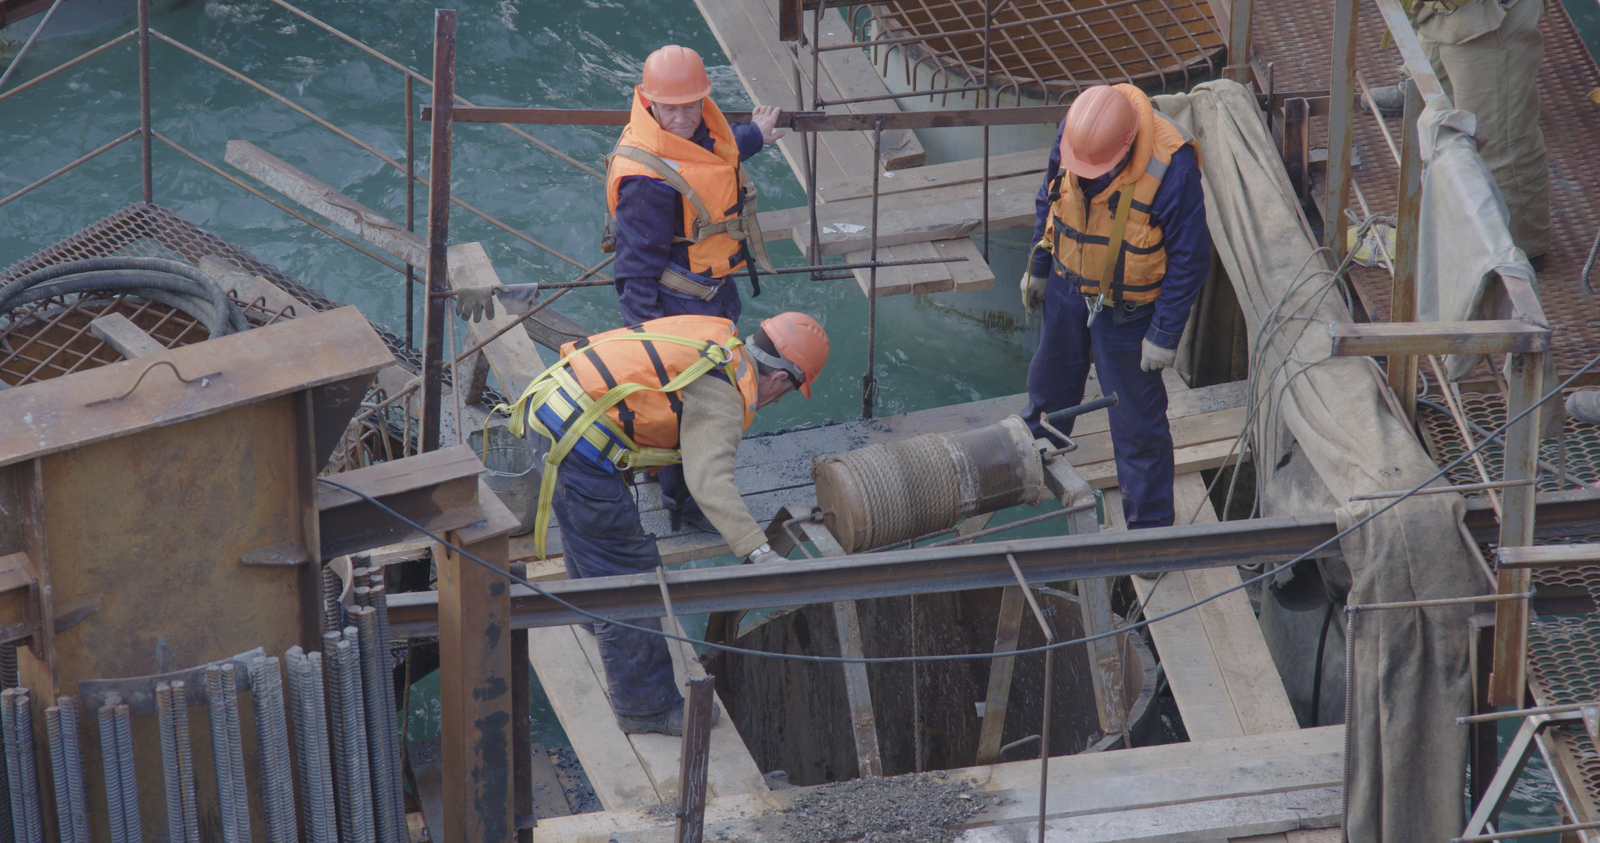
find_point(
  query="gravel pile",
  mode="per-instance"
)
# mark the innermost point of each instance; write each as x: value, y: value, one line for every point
x: 920, y: 808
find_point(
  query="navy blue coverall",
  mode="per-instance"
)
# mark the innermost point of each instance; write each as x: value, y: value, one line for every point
x: 1140, y: 438
x: 649, y: 216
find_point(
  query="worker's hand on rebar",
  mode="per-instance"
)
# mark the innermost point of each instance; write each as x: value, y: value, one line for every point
x: 766, y: 118
x: 1156, y: 358
x: 474, y: 303
x: 516, y: 298
x: 1033, y: 287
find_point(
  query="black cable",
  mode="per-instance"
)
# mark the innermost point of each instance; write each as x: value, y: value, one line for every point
x: 1316, y: 682
x: 727, y: 648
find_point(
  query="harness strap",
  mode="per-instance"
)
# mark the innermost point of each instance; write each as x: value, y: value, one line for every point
x: 1114, y: 247
x: 670, y: 175
x: 744, y: 227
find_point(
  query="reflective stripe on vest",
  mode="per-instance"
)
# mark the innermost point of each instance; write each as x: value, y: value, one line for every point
x: 612, y: 398
x: 719, y: 204
x: 1078, y: 234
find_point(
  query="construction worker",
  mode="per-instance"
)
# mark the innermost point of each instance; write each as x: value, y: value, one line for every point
x: 1487, y: 54
x: 674, y: 389
x: 684, y: 211
x: 1122, y: 250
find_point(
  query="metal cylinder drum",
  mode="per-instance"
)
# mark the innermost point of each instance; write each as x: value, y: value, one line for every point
x: 892, y: 492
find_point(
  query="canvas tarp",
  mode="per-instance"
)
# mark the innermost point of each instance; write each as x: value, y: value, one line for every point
x: 1407, y: 756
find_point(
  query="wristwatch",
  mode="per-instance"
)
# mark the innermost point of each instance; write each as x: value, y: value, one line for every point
x: 755, y: 555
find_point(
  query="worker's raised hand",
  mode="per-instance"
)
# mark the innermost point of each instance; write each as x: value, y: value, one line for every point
x: 766, y: 118
x: 1155, y: 357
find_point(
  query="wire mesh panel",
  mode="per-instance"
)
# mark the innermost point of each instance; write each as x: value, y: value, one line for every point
x: 1049, y: 49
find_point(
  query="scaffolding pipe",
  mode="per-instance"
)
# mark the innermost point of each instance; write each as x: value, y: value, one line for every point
x: 434, y: 311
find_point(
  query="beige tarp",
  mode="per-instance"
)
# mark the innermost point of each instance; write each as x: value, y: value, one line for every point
x: 1407, y: 755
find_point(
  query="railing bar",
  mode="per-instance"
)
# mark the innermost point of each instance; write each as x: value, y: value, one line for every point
x: 108, y: 147
x: 69, y: 63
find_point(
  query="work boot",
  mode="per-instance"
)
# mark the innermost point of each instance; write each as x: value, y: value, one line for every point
x: 693, y: 520
x: 1391, y: 101
x: 1584, y: 405
x: 669, y: 722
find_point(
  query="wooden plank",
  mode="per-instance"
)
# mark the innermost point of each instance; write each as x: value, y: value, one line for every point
x: 549, y: 797
x: 943, y: 213
x: 128, y: 339
x: 863, y: 723
x: 1548, y: 556
x: 513, y: 357
x: 15, y: 572
x: 248, y: 287
x: 1388, y: 339
x: 423, y: 756
x: 1080, y: 785
x: 998, y: 696
x: 965, y: 172
x: 971, y: 274
x: 1204, y: 820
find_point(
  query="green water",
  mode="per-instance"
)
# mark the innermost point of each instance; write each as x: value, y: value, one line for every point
x: 561, y: 54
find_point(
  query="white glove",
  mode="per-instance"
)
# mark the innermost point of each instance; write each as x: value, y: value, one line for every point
x: 763, y: 554
x: 476, y: 303
x: 1155, y: 358
x: 517, y: 298
x: 1033, y: 287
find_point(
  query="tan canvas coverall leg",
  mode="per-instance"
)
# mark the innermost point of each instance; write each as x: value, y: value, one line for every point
x: 1487, y: 55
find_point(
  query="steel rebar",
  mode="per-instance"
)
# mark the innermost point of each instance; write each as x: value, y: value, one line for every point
x: 132, y: 821
x: 316, y: 706
x: 372, y: 679
x: 145, y: 168
x: 411, y: 209
x: 180, y: 717
x: 72, y: 747
x: 272, y: 750
x: 58, y: 773
x: 32, y: 798
x: 391, y: 724
x: 311, y: 746
x: 8, y: 723
x: 435, y: 307
x: 332, y: 587
x: 220, y: 752
x: 113, y: 777
x: 356, y: 724
x: 230, y: 698
x: 16, y: 60
x: 171, y: 770
x: 332, y: 685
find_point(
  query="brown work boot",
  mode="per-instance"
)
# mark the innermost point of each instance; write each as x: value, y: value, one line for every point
x: 669, y: 722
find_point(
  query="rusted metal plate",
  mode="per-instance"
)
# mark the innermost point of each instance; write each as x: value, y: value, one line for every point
x: 139, y: 692
x: 50, y: 417
x: 438, y: 490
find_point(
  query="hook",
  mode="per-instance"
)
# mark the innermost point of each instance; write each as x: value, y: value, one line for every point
x: 205, y: 380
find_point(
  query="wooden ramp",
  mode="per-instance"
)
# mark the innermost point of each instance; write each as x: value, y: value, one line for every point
x: 1286, y: 785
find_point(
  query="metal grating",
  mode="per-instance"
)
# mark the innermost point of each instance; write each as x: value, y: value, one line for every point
x: 1296, y: 39
x: 1152, y: 43
x: 1488, y: 410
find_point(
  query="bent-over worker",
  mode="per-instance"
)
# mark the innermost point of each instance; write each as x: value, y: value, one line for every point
x: 676, y: 389
x: 684, y: 208
x: 1122, y: 252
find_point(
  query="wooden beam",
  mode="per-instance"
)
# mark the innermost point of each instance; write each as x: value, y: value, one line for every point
x: 997, y: 699
x: 973, y: 273
x: 1525, y: 376
x: 128, y: 339
x: 1548, y: 556
x: 863, y: 723
x: 950, y: 174
x: 1389, y: 339
x: 513, y: 357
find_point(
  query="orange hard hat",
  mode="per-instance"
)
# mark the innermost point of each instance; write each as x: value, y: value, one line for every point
x: 675, y: 75
x: 1101, y: 126
x: 802, y: 344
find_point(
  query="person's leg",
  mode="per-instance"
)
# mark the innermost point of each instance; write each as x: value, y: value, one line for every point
x: 640, y: 300
x: 1496, y: 77
x: 1060, y: 365
x: 1141, y: 440
x: 601, y: 536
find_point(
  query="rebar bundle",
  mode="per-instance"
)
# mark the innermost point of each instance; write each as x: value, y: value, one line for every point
x: 272, y: 748
x: 332, y: 587
x: 347, y: 716
x: 108, y: 764
x: 311, y: 744
x: 8, y: 723
x: 393, y: 740
x: 227, y: 751
x: 177, y: 763
x: 375, y: 676
x: 132, y: 823
x: 71, y: 719
x: 17, y: 708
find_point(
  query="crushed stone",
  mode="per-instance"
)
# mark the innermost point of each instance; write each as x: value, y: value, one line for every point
x: 917, y: 808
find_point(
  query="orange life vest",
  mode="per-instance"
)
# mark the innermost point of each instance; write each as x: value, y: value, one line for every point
x: 1078, y: 235
x: 651, y: 418
x: 709, y: 182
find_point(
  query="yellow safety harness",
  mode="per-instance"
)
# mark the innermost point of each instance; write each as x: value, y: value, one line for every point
x: 558, y: 389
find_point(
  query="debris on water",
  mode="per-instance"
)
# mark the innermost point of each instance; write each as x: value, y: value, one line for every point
x: 918, y: 808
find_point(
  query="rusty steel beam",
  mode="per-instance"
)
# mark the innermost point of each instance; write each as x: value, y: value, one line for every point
x: 802, y: 121
x: 1391, y: 339
x: 1403, y: 300
x: 437, y: 303
x: 438, y: 489
x: 958, y: 567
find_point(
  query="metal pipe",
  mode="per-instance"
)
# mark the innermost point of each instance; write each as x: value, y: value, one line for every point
x: 8, y: 666
x: 171, y: 770
x: 444, y: 76
x: 144, y: 100
x: 411, y: 205
x: 1524, y: 712
x: 16, y: 60
x: 113, y: 777
x: 72, y: 747
x: 81, y: 160
x: 272, y: 750
x: 1525, y: 832
x: 70, y: 63
x: 58, y: 773
x: 132, y: 822
x: 1440, y: 490
x: 221, y: 752
x: 311, y: 745
x: 1443, y: 601
x: 230, y: 700
x: 869, y: 381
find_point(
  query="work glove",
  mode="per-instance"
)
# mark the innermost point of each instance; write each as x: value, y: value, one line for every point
x: 1156, y: 358
x: 1033, y: 287
x: 476, y: 303
x: 763, y: 554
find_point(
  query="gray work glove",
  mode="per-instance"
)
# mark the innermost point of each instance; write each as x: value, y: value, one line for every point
x: 476, y: 303
x: 1155, y: 358
x: 1033, y: 287
x: 763, y: 554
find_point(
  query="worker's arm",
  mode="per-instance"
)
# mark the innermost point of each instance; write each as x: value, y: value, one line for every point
x: 1179, y: 207
x: 1041, y: 205
x: 647, y: 212
x: 748, y: 135
x: 709, y: 434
